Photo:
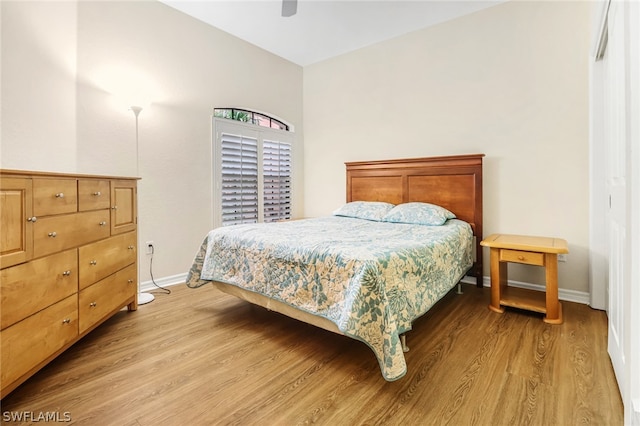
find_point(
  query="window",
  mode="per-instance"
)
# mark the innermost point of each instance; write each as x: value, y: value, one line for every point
x: 252, y: 117
x: 253, y: 173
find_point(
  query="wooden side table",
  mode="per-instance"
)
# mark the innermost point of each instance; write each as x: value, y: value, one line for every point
x: 539, y: 251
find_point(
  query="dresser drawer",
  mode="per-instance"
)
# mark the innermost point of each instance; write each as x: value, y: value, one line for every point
x: 102, y: 258
x: 27, y: 343
x: 31, y: 287
x: 518, y: 256
x: 93, y: 194
x: 56, y: 233
x: 54, y: 196
x: 107, y: 295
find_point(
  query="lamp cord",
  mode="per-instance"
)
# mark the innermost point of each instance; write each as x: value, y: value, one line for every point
x: 165, y: 290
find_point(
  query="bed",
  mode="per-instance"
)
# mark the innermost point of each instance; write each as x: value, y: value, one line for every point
x: 371, y: 268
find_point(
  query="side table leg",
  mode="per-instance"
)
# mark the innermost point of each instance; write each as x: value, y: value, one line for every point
x: 498, y: 280
x: 554, y: 308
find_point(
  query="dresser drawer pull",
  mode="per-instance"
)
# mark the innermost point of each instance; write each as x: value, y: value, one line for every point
x: 130, y: 247
x: 32, y: 219
x: 93, y: 262
x: 53, y: 234
x: 66, y: 273
x: 130, y: 281
x: 60, y: 195
x: 114, y: 208
x: 97, y: 194
x: 520, y: 257
x: 66, y: 320
x: 103, y: 223
x: 93, y: 304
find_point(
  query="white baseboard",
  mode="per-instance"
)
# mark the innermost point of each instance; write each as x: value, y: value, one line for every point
x: 147, y: 286
x: 563, y: 294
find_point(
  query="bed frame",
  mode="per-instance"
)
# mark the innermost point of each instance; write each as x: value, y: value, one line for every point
x: 453, y: 182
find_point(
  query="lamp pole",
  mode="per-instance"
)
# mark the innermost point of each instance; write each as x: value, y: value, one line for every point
x: 136, y: 111
x: 143, y: 298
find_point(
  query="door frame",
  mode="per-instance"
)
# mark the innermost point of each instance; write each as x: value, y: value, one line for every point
x: 599, y: 234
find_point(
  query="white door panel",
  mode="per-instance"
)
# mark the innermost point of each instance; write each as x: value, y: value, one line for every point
x: 617, y: 156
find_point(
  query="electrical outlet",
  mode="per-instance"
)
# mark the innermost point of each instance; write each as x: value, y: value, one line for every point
x: 149, y: 245
x: 562, y: 257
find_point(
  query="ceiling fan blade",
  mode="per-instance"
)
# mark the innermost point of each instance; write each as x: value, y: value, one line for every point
x: 289, y: 7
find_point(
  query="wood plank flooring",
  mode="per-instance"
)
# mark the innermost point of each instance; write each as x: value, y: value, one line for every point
x: 199, y: 357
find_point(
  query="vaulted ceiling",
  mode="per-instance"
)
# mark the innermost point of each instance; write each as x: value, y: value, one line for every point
x: 322, y: 29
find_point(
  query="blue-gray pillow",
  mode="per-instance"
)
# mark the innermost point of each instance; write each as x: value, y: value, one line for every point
x: 370, y: 210
x: 419, y: 214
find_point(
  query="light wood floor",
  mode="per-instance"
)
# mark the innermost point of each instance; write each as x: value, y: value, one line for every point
x: 199, y: 357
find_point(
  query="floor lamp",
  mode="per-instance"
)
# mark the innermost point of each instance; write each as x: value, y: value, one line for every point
x: 143, y: 298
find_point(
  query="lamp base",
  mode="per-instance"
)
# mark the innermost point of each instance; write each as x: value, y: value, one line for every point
x: 144, y: 298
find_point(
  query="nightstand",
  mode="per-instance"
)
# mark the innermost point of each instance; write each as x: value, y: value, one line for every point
x: 528, y: 250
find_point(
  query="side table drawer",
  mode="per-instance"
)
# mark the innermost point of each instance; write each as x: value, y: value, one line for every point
x: 518, y: 256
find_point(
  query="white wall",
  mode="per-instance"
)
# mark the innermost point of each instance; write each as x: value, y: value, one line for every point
x: 124, y: 51
x: 38, y: 85
x: 510, y: 81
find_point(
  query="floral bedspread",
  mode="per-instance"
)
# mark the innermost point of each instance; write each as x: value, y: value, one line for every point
x: 372, y: 279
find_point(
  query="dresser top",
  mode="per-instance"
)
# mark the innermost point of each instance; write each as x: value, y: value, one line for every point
x: 31, y: 173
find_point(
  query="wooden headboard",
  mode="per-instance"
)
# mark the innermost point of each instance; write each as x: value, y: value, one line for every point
x: 453, y: 182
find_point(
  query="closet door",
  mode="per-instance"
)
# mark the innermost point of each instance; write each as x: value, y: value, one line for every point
x: 616, y: 186
x: 617, y: 166
x: 633, y: 369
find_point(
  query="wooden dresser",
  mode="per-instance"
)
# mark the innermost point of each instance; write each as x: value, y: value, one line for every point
x: 68, y: 261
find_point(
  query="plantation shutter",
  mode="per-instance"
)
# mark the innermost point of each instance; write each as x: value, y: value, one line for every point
x: 276, y: 171
x: 253, y: 173
x: 239, y: 179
